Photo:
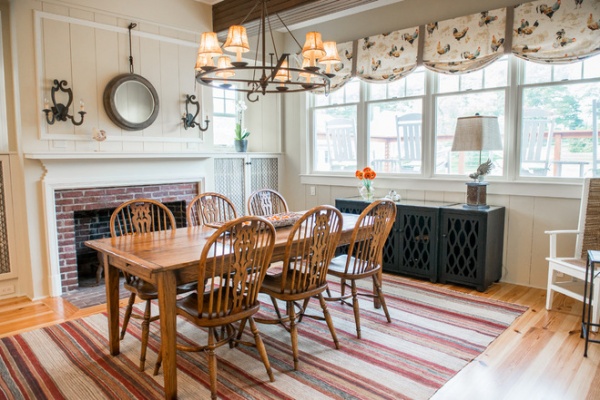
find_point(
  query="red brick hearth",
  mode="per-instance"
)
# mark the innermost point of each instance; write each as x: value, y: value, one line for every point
x: 68, y: 202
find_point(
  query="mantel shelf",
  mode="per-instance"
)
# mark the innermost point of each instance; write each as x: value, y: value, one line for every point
x: 107, y: 155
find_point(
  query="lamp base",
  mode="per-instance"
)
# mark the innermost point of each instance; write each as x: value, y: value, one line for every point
x: 476, y: 194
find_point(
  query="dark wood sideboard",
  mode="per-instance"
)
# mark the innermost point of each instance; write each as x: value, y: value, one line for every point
x: 442, y: 242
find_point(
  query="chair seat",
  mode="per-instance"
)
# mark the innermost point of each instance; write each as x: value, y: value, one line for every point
x: 147, y: 291
x: 337, y: 267
x: 189, y: 306
x: 572, y: 263
x: 272, y: 287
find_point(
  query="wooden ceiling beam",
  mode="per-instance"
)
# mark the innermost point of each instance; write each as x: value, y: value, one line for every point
x: 232, y: 12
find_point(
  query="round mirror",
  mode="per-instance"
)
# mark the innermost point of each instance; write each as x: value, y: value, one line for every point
x: 131, y: 102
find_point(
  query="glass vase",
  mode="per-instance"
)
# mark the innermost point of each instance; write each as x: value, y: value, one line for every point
x: 366, y: 192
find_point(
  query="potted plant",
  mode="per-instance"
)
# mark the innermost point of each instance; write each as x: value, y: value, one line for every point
x: 241, y: 134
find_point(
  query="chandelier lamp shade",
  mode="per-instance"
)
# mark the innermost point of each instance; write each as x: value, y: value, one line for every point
x: 309, y: 69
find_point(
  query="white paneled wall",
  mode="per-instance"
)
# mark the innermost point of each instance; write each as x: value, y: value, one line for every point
x: 88, y: 54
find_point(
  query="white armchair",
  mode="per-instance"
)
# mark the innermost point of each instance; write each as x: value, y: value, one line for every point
x: 566, y: 275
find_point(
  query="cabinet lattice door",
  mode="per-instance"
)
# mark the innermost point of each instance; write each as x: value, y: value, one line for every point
x: 4, y: 255
x: 238, y: 177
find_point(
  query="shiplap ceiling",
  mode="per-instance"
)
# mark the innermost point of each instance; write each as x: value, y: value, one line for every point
x: 295, y: 13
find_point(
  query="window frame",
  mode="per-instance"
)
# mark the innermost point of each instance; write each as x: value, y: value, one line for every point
x: 224, y: 114
x: 513, y: 97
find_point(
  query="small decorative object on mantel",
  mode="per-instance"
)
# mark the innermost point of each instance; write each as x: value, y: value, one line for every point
x: 189, y: 119
x: 241, y: 143
x: 477, y: 133
x: 366, y: 189
x: 59, y: 111
x: 99, y: 135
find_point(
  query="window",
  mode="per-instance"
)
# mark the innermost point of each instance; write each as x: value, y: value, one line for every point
x: 395, y: 114
x: 224, y: 114
x: 549, y: 124
x: 335, y: 119
x: 481, y: 92
x: 557, y: 119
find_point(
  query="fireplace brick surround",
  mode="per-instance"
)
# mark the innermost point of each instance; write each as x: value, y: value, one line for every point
x: 69, y: 201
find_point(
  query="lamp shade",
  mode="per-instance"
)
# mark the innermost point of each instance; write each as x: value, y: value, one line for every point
x: 305, y: 75
x: 222, y: 63
x: 203, y: 61
x: 209, y: 45
x: 237, y: 41
x: 283, y: 74
x: 331, y: 55
x: 477, y: 133
x: 313, y: 46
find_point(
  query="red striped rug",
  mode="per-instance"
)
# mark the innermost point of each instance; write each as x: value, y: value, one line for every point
x: 433, y: 335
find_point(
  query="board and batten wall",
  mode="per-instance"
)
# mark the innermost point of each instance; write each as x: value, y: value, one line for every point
x: 531, y: 207
x: 85, y: 42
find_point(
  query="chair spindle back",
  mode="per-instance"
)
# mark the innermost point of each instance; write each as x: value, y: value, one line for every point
x: 234, y: 262
x: 310, y: 247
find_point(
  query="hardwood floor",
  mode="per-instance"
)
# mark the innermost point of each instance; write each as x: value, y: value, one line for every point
x: 539, y: 357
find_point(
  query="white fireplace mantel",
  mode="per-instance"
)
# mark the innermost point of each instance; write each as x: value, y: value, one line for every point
x: 91, y: 170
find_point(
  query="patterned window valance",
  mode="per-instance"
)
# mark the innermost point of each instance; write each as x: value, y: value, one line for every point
x: 543, y: 31
x: 555, y: 31
x: 387, y: 57
x: 465, y: 44
x: 343, y: 71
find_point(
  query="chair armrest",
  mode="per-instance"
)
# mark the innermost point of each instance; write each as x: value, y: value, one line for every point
x: 553, y: 238
x: 556, y: 232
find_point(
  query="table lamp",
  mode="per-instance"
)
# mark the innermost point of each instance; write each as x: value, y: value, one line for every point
x: 477, y: 133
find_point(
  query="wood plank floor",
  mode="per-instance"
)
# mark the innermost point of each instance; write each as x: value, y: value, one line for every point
x: 539, y: 357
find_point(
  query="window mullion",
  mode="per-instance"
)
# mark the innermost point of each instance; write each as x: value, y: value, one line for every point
x: 362, y: 127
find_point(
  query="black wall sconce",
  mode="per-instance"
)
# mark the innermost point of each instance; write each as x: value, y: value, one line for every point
x: 189, y: 120
x: 59, y: 111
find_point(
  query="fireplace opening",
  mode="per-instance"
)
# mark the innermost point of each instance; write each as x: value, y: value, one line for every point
x: 84, y: 214
x: 94, y: 224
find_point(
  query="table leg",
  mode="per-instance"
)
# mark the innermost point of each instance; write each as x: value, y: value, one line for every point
x: 168, y: 330
x: 111, y: 278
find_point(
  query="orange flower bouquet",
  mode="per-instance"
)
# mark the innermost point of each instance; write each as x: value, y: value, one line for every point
x: 366, y: 175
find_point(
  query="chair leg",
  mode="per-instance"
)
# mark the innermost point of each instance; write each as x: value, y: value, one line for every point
x: 329, y: 321
x: 304, y: 306
x: 261, y: 348
x: 293, y: 331
x: 238, y: 337
x: 382, y: 299
x: 145, y: 334
x: 127, y: 316
x: 158, y: 362
x: 549, y: 291
x: 276, y: 307
x: 356, y: 308
x: 212, y: 363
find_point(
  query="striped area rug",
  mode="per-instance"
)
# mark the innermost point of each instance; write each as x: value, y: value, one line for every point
x: 434, y: 333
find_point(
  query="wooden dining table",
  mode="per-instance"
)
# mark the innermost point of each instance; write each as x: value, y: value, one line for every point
x: 167, y: 258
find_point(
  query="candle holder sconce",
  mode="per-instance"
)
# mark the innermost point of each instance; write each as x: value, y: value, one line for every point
x: 59, y: 111
x: 189, y: 120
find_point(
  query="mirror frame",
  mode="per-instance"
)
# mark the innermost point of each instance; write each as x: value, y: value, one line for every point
x: 110, y: 103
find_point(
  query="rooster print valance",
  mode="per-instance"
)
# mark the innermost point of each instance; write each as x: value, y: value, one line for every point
x: 387, y: 57
x: 549, y: 31
x: 465, y: 44
x: 559, y: 31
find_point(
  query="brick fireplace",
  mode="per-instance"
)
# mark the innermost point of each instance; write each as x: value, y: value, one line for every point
x: 82, y: 214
